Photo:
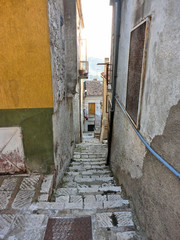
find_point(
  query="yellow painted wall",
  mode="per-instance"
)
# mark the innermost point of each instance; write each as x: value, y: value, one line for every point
x: 25, y: 70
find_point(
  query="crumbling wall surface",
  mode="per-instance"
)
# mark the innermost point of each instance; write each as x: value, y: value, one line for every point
x: 76, y: 115
x: 71, y: 45
x: 63, y: 111
x: 63, y: 137
x: 57, y: 49
x: 154, y: 190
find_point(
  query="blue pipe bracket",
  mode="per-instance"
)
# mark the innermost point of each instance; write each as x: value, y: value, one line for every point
x: 165, y: 163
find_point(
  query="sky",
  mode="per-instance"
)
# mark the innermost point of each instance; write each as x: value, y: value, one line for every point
x: 97, y: 20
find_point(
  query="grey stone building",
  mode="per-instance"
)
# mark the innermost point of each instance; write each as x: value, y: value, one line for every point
x: 146, y: 111
x: 65, y: 24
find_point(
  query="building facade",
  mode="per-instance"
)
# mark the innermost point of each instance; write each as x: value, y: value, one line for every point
x: 145, y: 122
x: 92, y: 105
x: 39, y: 77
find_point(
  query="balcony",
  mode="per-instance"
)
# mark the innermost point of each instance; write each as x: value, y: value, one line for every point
x: 83, y: 69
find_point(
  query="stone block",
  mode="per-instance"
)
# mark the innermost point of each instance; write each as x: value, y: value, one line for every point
x: 23, y: 199
x: 44, y: 197
x: 66, y: 191
x: 9, y: 184
x: 29, y: 183
x: 126, y: 235
x: 47, y: 184
x: 90, y: 202
x: 76, y: 202
x: 4, y: 199
x: 46, y: 206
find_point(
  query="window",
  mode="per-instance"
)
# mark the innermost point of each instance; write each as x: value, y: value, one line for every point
x: 90, y: 128
x: 136, y: 70
x: 91, y: 107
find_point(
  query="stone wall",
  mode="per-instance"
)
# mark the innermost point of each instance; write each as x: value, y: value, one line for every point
x: 63, y: 133
x: 154, y: 190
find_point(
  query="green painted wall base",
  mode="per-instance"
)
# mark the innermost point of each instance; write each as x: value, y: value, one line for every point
x: 37, y: 133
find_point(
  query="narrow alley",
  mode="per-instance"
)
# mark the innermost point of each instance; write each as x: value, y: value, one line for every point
x: 89, y: 120
x: 87, y: 204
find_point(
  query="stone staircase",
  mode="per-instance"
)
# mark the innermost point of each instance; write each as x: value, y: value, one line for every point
x: 86, y: 202
x: 88, y: 188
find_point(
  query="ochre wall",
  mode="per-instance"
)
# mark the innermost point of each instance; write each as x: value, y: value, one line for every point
x: 25, y: 71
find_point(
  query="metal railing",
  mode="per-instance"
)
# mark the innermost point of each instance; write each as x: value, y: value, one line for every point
x: 173, y: 170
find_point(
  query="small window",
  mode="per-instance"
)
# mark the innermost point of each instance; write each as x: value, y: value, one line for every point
x: 136, y: 70
x: 91, y: 107
x: 90, y: 128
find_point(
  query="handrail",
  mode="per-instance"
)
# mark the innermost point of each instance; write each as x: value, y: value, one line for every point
x: 174, y: 171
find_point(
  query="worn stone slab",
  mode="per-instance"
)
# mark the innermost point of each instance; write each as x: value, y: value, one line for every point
x: 30, y: 183
x: 32, y: 234
x: 28, y: 226
x: 124, y: 219
x: 104, y: 220
x: 114, y: 197
x: 46, y: 206
x: 110, y: 188
x: 68, y: 178
x: 90, y: 172
x: 66, y: 191
x: 102, y: 178
x: 101, y: 198
x: 126, y: 235
x: 90, y: 202
x: 63, y: 199
x: 115, y: 204
x: 23, y: 199
x: 76, y: 202
x: 92, y: 189
x: 47, y: 184
x: 5, y: 224
x: 9, y: 184
x: 4, y: 199
x: 72, y: 173
x: 44, y: 197
x: 70, y: 185
x: 82, y: 160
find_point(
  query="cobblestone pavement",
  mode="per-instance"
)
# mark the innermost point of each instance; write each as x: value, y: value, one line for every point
x: 87, y: 189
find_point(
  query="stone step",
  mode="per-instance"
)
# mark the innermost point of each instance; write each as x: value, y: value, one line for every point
x: 89, y: 160
x: 126, y: 235
x: 89, y: 173
x: 93, y: 189
x: 114, y: 219
x: 46, y: 188
x: 80, y: 169
x: 88, y: 202
x: 88, y: 179
x: 87, y: 163
x: 89, y: 155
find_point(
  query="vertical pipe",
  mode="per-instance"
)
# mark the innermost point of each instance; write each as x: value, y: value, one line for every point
x: 115, y: 67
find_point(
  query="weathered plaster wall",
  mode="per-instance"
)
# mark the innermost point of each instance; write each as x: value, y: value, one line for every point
x: 25, y: 79
x: 57, y: 48
x: 25, y: 72
x: 63, y: 136
x: 71, y: 46
x: 63, y: 132
x: 36, y: 127
x: 77, y: 114
x: 154, y: 189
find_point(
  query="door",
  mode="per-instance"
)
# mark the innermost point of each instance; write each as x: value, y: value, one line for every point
x: 91, y: 107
